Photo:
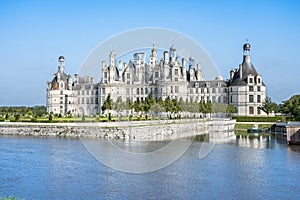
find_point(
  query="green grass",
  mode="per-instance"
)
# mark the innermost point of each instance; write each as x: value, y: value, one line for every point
x: 247, y: 126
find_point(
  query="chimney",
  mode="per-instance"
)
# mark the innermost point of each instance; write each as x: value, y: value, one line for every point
x: 166, y: 56
x: 231, y: 74
x: 241, y: 71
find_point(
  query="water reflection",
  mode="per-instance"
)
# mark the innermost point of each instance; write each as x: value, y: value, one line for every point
x: 45, y: 168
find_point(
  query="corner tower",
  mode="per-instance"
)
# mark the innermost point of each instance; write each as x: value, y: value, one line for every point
x: 247, y: 90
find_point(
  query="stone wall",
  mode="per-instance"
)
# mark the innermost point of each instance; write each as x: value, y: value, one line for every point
x: 140, y: 131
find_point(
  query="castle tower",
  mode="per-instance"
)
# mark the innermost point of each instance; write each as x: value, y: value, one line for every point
x: 246, y: 84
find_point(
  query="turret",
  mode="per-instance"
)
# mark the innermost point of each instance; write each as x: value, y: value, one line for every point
x: 112, y: 67
x: 112, y: 57
x: 172, y: 54
x: 61, y: 62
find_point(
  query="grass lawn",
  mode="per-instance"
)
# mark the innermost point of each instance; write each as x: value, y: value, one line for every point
x: 247, y: 126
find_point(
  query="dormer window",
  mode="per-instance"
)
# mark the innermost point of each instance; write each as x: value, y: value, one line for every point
x: 250, y: 80
x: 258, y: 80
x: 207, y: 85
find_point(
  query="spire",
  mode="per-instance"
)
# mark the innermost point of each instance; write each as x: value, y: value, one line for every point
x: 61, y: 62
x: 153, y: 52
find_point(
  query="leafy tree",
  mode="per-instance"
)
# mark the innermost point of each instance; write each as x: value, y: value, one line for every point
x: 292, y: 106
x: 17, y: 117
x: 137, y: 105
x: 107, y: 104
x: 268, y: 105
x: 231, y: 109
x: 160, y: 101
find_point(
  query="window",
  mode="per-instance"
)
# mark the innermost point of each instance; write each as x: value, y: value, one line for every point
x: 128, y: 75
x: 176, y: 71
x: 88, y: 92
x: 251, y: 88
x: 137, y: 91
x: 103, y: 90
x: 87, y: 101
x: 191, y: 91
x: 82, y: 92
x: 196, y: 90
x: 176, y: 89
x: 258, y: 88
x: 82, y: 100
x: 258, y: 98
x: 96, y: 92
x: 202, y: 90
x: 176, y: 79
x: 128, y: 82
x: 251, y: 98
x: 258, y: 111
x: 250, y: 80
x: 230, y: 99
x: 258, y: 80
x: 251, y: 110
x: 156, y: 74
x: 214, y: 90
x: 96, y: 100
x: 171, y: 89
x: 142, y: 90
x: 146, y: 90
x: 105, y: 74
x: 92, y: 100
x: 78, y: 100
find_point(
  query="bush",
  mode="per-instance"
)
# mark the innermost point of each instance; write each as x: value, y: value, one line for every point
x: 259, y: 119
x: 2, y: 119
x: 33, y: 120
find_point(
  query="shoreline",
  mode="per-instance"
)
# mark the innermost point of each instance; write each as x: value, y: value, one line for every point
x: 139, y: 130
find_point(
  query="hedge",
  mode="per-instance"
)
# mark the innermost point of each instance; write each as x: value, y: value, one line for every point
x: 259, y: 119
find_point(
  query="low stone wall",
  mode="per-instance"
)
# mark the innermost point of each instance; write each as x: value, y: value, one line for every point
x: 140, y: 131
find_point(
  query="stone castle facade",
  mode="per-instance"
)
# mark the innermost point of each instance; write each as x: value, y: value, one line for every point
x: 167, y: 77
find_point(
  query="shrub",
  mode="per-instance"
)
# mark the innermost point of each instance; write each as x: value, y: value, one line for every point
x: 259, y: 119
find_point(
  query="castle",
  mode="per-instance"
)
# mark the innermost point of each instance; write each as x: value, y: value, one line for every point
x: 167, y: 77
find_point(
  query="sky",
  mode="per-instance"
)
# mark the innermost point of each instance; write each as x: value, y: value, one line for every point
x: 34, y: 34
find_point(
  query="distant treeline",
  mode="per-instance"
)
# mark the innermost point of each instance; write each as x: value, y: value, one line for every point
x: 34, y: 111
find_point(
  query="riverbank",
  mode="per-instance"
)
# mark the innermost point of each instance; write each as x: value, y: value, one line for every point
x: 140, y: 130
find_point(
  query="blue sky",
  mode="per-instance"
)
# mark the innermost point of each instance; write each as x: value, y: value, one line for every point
x: 34, y: 33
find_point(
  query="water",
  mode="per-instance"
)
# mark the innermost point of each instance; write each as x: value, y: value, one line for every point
x: 49, y: 168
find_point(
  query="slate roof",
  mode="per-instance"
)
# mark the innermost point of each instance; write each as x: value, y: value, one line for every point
x: 247, y: 69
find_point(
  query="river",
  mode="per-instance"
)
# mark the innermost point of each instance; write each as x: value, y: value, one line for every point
x: 240, y: 168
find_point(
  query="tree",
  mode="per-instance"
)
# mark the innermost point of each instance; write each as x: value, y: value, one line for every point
x: 107, y: 104
x: 292, y: 106
x: 231, y: 109
x: 268, y: 106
